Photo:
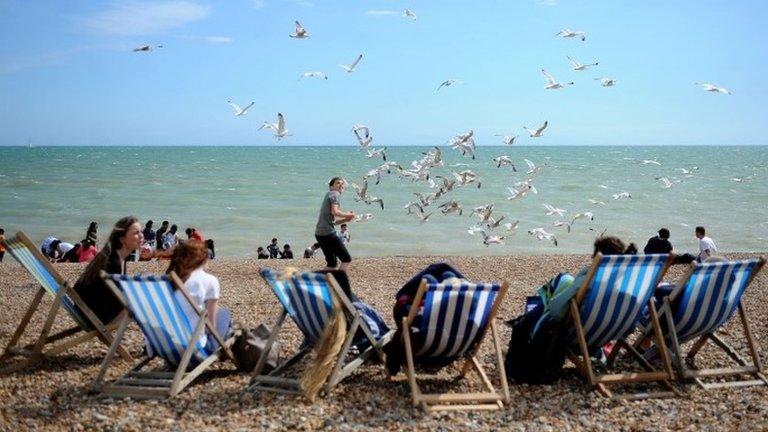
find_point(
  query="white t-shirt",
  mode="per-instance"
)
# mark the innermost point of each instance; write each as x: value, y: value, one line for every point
x: 64, y: 248
x: 704, y: 244
x: 201, y: 286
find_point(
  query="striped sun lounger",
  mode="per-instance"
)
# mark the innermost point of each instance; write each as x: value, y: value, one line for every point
x: 87, y: 323
x: 307, y: 299
x: 168, y: 334
x: 608, y: 307
x: 704, y: 301
x: 452, y: 326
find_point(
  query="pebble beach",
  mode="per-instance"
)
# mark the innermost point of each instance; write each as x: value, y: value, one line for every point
x: 57, y: 395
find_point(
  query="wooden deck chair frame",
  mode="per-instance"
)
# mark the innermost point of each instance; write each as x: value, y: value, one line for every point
x: 490, y: 399
x: 684, y: 363
x: 151, y: 384
x: 601, y: 382
x: 48, y: 345
x: 274, y: 381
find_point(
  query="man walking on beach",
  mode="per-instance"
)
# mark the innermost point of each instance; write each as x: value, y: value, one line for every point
x: 325, y: 233
x: 707, y: 247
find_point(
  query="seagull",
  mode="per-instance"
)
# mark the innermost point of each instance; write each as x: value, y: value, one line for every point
x: 409, y: 14
x: 650, y: 162
x: 146, y: 48
x: 523, y: 188
x: 361, y: 192
x: 492, y: 239
x: 596, y: 202
x: 372, y: 199
x: 551, y: 83
x: 606, y: 82
x: 378, y: 152
x: 299, y: 32
x: 538, y: 133
x: 665, y: 180
x: 425, y: 199
x: 568, y: 33
x: 688, y: 172
x: 577, y: 66
x: 551, y: 210
x: 239, y: 111
x: 466, y: 177
x: 423, y: 217
x: 483, y: 211
x: 621, y: 195
x: 448, y: 83
x: 577, y: 216
x: 532, y: 168
x: 739, y: 179
x: 279, y: 127
x: 363, y: 217
x: 411, y: 206
x: 504, y: 160
x: 452, y: 206
x: 511, y: 226
x: 507, y: 139
x: 540, y: 234
x: 365, y: 140
x: 351, y: 68
x: 711, y: 88
x: 314, y: 75
x: 464, y: 143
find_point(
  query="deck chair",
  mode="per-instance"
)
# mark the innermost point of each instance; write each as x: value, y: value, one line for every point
x: 452, y: 326
x: 306, y: 299
x: 168, y: 334
x: 88, y: 325
x: 707, y: 297
x: 608, y: 307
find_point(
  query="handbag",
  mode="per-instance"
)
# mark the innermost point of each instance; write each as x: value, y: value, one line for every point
x: 249, y: 347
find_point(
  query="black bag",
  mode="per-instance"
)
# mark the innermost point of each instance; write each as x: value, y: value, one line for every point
x: 537, y: 359
x: 249, y: 346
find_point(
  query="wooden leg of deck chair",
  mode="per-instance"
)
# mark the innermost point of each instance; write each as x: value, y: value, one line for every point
x: 751, y: 341
x: 582, y: 343
x: 410, y: 367
x: 49, y: 322
x: 24, y: 321
x: 660, y: 340
x: 98, y: 381
x: 187, y: 356
x: 500, y: 363
x: 729, y: 350
x: 268, y: 347
x: 697, y: 346
x: 676, y: 350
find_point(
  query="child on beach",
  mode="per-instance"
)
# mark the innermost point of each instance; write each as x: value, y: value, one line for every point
x: 344, y: 234
x: 160, y: 235
x: 261, y: 254
x: 274, y: 249
x: 286, y: 253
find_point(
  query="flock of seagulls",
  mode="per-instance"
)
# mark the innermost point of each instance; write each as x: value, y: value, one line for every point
x: 443, y: 186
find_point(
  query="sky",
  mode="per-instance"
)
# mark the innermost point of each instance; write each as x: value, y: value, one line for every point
x: 69, y: 75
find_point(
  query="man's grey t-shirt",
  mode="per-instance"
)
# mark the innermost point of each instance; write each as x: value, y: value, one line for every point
x: 325, y: 218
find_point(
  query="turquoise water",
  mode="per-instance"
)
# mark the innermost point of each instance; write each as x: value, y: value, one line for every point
x: 244, y: 196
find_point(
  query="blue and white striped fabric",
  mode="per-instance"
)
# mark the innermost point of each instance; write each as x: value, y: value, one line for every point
x: 280, y: 286
x: 454, y: 318
x: 167, y: 330
x: 618, y: 294
x: 310, y: 299
x: 711, y: 297
x: 40, y: 272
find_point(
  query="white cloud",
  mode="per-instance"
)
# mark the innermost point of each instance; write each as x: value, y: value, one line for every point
x: 141, y: 18
x: 381, y: 12
x: 218, y: 39
x: 258, y: 4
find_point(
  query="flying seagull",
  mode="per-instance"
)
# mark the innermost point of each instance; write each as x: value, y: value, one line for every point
x: 507, y: 139
x: 577, y: 66
x: 239, y: 111
x: 146, y: 48
x: 606, y: 82
x: 552, y: 84
x: 314, y: 75
x: 448, y: 83
x: 279, y: 127
x: 711, y: 88
x: 351, y: 68
x: 538, y: 133
x: 568, y: 33
x: 299, y: 32
x: 409, y: 14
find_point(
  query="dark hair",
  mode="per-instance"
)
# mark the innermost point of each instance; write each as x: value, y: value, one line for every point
x: 165, y: 223
x: 189, y: 231
x: 286, y: 246
x: 334, y: 180
x: 274, y: 239
x: 316, y: 245
x: 187, y: 257
x: 174, y: 228
x: 343, y: 225
x: 260, y: 249
x: 664, y: 233
x: 2, y: 231
x: 108, y: 253
x: 209, y: 244
x: 613, y: 246
x: 701, y: 230
x: 149, y: 223
x: 93, y: 227
x: 52, y: 248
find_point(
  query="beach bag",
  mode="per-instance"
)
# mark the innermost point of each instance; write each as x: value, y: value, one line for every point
x: 249, y: 346
x: 535, y: 358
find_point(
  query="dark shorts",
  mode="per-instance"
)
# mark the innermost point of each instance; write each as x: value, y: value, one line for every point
x: 332, y: 248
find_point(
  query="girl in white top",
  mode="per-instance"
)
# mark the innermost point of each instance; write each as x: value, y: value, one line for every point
x: 188, y: 262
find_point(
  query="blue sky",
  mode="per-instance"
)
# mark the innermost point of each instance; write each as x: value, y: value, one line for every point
x: 68, y: 75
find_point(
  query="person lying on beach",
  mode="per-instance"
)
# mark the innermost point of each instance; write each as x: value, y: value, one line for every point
x: 188, y: 261
x: 125, y: 237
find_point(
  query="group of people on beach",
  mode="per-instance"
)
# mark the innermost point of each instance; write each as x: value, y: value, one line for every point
x: 160, y: 243
x: 57, y: 250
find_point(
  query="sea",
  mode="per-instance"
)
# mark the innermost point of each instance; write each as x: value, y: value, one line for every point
x: 242, y: 197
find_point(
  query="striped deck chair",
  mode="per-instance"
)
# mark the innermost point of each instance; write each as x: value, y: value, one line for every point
x: 307, y: 299
x: 88, y: 325
x: 168, y: 334
x: 608, y: 307
x: 453, y: 324
x: 706, y: 298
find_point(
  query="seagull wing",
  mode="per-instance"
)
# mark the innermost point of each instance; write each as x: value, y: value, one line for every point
x: 236, y: 107
x: 280, y: 123
x: 550, y: 78
x: 357, y: 60
x: 541, y: 129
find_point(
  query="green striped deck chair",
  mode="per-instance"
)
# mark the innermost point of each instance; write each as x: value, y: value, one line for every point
x: 17, y: 356
x: 168, y: 334
x: 452, y: 327
x: 706, y: 298
x: 608, y: 307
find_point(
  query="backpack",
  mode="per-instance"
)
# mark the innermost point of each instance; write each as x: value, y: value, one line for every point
x: 535, y: 358
x: 249, y: 346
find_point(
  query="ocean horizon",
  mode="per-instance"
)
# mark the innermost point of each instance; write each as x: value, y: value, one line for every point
x: 242, y: 196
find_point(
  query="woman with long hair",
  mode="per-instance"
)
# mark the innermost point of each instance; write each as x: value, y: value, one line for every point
x: 188, y: 262
x: 125, y: 237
